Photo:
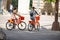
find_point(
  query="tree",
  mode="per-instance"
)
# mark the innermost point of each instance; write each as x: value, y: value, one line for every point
x: 55, y: 25
x: 48, y: 8
x: 31, y: 4
x: 15, y: 3
x: 50, y: 1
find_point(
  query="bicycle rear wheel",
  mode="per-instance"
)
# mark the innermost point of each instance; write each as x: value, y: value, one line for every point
x: 9, y: 26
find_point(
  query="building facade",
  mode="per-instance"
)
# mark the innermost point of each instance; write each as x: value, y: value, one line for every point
x: 0, y: 6
x: 38, y: 4
x: 5, y: 3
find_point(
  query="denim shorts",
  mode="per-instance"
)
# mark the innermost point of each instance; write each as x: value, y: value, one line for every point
x: 32, y: 18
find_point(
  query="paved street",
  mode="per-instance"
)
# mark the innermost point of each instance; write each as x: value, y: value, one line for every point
x: 26, y: 35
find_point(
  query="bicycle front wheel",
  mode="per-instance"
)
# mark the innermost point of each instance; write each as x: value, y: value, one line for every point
x: 38, y: 26
x: 22, y: 26
x: 30, y: 27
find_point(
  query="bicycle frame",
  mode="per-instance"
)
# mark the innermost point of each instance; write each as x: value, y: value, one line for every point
x: 19, y: 20
x: 37, y: 18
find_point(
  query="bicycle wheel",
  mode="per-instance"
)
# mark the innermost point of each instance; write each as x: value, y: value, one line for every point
x: 30, y: 27
x: 9, y: 26
x: 22, y: 26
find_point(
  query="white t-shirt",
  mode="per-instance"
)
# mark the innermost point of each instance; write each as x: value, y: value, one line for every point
x: 11, y: 7
x: 14, y: 16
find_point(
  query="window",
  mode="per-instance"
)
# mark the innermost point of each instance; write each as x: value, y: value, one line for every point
x: 43, y: 13
x: 48, y: 13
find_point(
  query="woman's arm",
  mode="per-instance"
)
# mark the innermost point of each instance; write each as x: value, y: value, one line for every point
x: 18, y: 14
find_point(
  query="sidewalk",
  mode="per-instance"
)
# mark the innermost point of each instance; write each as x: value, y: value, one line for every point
x: 45, y: 21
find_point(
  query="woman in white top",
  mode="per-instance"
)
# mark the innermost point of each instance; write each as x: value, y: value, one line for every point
x: 15, y: 15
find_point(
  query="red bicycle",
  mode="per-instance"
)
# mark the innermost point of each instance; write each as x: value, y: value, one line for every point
x: 34, y: 24
x: 19, y: 22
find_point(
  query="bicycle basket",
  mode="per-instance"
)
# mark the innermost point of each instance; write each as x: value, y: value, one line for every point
x: 37, y: 17
x: 21, y: 17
